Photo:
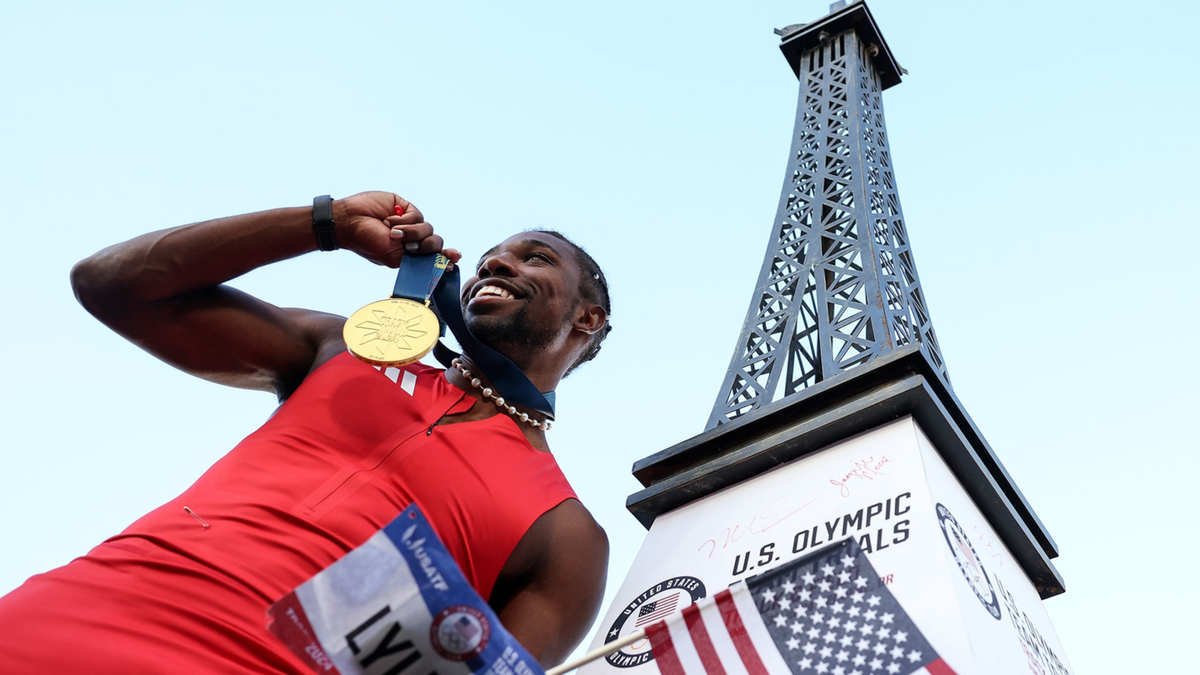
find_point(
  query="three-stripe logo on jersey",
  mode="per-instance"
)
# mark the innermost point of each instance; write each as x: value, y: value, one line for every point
x: 406, y: 380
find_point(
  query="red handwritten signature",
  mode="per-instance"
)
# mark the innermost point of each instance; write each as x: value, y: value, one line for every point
x: 986, y: 541
x: 769, y: 516
x: 864, y: 469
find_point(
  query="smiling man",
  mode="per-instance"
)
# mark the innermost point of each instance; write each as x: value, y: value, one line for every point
x: 185, y: 588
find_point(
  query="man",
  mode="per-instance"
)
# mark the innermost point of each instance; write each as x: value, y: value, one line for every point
x: 185, y: 589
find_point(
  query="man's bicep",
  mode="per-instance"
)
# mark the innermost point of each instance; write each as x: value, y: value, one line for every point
x: 224, y: 335
x: 551, y: 613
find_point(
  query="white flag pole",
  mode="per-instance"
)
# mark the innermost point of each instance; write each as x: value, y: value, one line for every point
x: 603, y: 650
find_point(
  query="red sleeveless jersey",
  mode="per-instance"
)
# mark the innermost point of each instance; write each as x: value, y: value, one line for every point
x: 343, y: 456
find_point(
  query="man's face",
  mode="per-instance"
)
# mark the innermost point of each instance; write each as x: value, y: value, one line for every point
x: 523, y: 296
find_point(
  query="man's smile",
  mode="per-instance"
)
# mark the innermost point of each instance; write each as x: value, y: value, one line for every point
x: 494, y: 291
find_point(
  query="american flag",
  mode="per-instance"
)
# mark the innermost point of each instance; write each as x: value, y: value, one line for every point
x: 826, y: 613
x: 466, y: 628
x: 660, y: 608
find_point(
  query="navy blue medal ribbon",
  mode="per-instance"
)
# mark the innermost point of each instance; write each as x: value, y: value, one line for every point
x: 418, y: 276
x: 423, y: 276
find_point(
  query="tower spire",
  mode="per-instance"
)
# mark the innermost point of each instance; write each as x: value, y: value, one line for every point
x: 838, y: 286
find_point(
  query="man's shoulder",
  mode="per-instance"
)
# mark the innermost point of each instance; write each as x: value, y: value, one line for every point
x: 572, y: 514
x: 552, y: 586
x: 570, y: 528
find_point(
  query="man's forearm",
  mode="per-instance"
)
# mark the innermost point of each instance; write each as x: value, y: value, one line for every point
x: 168, y: 263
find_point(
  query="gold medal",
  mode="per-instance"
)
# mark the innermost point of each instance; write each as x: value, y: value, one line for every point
x: 392, y: 332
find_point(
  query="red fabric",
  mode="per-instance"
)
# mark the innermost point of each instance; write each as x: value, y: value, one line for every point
x: 664, y: 649
x: 737, y: 632
x: 704, y: 646
x: 335, y: 463
x: 939, y: 667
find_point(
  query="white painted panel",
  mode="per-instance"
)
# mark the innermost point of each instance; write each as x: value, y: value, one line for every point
x: 1007, y: 624
x: 871, y: 487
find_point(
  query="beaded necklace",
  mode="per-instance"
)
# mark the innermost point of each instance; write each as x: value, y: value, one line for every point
x: 544, y: 425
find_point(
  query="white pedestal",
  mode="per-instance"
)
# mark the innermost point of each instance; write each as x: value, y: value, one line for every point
x: 891, y: 488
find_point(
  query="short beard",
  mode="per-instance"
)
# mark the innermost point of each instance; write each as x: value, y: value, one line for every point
x: 513, y: 336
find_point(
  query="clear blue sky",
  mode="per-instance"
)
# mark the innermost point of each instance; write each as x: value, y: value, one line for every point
x: 1043, y: 153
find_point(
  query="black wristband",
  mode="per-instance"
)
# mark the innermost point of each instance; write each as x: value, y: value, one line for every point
x: 323, y: 223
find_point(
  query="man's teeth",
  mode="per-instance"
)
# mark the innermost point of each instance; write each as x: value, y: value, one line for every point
x: 493, y: 290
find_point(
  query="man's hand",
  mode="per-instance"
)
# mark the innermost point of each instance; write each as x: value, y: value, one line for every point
x: 368, y: 224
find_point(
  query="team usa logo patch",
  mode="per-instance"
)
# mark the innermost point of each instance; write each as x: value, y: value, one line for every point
x: 654, y: 604
x: 968, y: 562
x: 459, y: 633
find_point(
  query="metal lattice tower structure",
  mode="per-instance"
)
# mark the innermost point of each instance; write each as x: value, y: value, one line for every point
x: 838, y: 286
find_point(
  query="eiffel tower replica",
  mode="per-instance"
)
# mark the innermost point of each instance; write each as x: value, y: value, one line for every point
x: 838, y: 285
x: 837, y: 404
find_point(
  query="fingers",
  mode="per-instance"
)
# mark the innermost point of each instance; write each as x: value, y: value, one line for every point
x: 418, y: 237
x: 380, y: 205
x: 405, y: 229
x: 406, y: 212
x: 402, y: 222
x: 409, y: 233
x: 408, y: 224
x: 430, y: 244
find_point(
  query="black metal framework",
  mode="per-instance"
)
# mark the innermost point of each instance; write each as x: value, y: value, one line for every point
x: 838, y: 286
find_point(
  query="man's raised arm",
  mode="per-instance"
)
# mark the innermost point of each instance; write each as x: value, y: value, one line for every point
x: 164, y: 291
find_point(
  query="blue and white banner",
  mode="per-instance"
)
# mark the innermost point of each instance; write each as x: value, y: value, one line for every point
x: 397, y: 604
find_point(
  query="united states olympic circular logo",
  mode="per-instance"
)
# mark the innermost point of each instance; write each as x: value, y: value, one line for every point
x: 460, y: 633
x: 654, y: 604
x: 968, y: 562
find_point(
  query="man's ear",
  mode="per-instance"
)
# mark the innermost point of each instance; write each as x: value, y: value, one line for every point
x: 590, y: 319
